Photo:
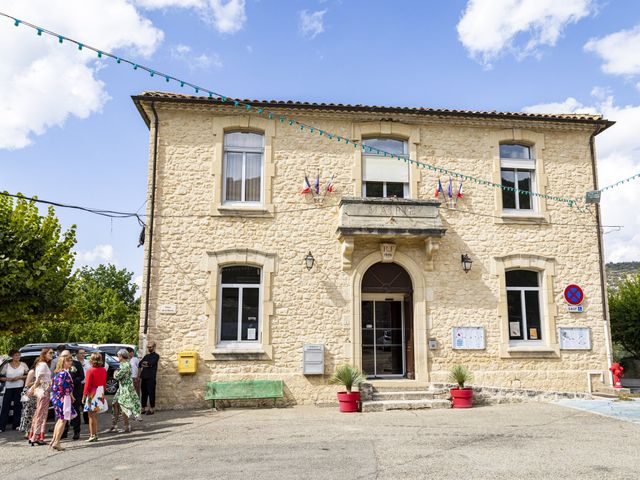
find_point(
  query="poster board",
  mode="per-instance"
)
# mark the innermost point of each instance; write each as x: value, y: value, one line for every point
x: 467, y: 338
x: 575, y: 338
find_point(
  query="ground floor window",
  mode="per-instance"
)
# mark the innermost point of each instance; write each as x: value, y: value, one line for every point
x: 523, y: 303
x: 240, y: 304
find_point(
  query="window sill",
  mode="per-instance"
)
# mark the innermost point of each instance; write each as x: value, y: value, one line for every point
x: 523, y: 218
x: 529, y: 351
x: 243, y: 211
x: 259, y: 352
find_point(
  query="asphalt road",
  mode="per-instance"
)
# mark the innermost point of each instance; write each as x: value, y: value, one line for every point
x: 521, y: 441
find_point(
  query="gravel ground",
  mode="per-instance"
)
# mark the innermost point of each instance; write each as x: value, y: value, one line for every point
x: 519, y: 441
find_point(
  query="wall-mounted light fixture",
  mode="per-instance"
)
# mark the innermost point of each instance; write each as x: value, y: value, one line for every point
x: 466, y: 262
x: 309, y: 261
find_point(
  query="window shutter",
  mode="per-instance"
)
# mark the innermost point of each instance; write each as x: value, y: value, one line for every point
x: 385, y: 169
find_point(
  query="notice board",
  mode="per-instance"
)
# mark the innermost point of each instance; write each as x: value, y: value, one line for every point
x: 575, y: 338
x: 468, y: 338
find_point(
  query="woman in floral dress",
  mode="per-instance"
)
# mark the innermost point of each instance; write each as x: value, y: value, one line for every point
x: 95, y: 384
x: 126, y: 397
x: 62, y: 398
x: 28, y: 406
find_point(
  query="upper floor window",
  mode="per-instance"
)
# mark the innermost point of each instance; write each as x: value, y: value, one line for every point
x: 517, y: 168
x: 243, y: 161
x: 240, y: 303
x: 523, y: 303
x: 385, y: 176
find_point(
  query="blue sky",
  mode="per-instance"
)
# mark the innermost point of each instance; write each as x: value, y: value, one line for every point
x: 72, y: 134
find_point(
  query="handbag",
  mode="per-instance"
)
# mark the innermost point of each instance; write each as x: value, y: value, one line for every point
x: 39, y: 392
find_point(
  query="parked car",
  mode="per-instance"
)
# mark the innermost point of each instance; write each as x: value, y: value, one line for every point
x: 113, y: 348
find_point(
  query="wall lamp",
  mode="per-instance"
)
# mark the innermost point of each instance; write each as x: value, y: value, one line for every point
x: 466, y: 262
x: 309, y: 261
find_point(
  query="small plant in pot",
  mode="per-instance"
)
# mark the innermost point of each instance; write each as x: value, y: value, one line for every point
x: 461, y: 397
x: 348, y: 376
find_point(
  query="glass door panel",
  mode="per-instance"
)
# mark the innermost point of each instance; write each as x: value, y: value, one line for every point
x: 383, y: 346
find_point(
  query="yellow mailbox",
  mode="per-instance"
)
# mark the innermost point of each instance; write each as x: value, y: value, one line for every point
x: 187, y: 362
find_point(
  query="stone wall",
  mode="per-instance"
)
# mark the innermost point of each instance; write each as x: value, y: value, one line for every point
x: 317, y: 306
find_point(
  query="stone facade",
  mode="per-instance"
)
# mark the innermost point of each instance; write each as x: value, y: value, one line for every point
x: 195, y: 235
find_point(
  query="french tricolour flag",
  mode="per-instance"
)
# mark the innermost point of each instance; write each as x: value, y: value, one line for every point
x: 330, y: 185
x: 306, y: 186
x: 460, y: 194
x: 439, y: 188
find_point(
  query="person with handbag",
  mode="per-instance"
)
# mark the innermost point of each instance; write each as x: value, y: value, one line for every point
x: 77, y: 375
x: 14, y: 374
x: 42, y: 391
x: 28, y: 401
x: 95, y: 384
x: 62, y: 398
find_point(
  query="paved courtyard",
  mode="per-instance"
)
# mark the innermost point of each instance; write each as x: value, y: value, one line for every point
x: 498, y: 442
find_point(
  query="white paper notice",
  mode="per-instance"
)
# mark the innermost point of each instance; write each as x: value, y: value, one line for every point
x: 251, y: 333
x: 514, y: 329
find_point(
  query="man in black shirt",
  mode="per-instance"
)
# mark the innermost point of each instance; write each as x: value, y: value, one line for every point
x: 77, y: 375
x: 147, y: 373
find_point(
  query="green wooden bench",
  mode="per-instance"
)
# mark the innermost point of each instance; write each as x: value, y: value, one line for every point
x: 244, y: 390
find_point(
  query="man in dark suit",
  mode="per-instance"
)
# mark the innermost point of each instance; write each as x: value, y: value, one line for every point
x: 77, y: 375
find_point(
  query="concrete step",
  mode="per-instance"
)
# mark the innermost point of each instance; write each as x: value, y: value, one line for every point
x: 409, y: 395
x: 384, y: 405
x: 395, y: 385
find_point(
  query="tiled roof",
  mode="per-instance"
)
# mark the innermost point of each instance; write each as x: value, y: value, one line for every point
x: 564, y: 117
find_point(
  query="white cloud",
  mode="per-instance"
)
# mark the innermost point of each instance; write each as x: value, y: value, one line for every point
x: 311, y: 24
x: 42, y: 83
x: 620, y: 51
x: 185, y: 54
x: 618, y: 153
x: 99, y: 254
x: 488, y: 27
x: 226, y: 16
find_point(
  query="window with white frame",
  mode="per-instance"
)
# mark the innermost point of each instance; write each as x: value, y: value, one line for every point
x: 243, y: 167
x: 523, y: 303
x: 385, y: 176
x: 517, y: 169
x: 240, y: 294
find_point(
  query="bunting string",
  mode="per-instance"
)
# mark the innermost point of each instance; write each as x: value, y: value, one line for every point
x: 620, y: 182
x: 286, y: 120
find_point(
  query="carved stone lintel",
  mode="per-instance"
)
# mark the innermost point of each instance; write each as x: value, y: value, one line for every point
x: 347, y: 250
x: 431, y: 246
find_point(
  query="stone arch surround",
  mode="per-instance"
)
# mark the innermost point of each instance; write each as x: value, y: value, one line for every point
x: 419, y: 310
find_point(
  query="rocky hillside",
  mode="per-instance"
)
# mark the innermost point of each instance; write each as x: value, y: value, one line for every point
x: 618, y: 271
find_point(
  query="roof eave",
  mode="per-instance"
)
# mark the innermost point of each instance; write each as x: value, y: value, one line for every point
x: 600, y: 123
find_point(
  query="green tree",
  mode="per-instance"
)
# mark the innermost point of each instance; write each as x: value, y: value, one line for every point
x: 35, y: 265
x: 103, y: 306
x: 624, y: 310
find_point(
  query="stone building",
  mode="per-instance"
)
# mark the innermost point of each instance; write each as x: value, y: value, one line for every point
x: 388, y: 290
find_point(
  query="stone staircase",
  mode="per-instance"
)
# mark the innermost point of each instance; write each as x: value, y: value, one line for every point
x: 382, y: 395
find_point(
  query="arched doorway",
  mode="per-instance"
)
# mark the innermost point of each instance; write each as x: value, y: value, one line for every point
x: 387, y: 322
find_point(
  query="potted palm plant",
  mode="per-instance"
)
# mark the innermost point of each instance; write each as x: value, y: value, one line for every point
x: 348, y: 376
x: 461, y: 397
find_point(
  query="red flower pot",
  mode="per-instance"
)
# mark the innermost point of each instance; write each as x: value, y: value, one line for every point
x: 462, y: 397
x: 349, y: 402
